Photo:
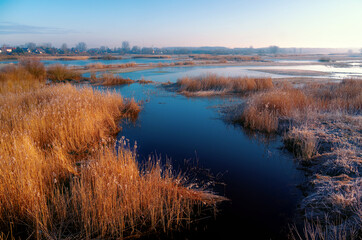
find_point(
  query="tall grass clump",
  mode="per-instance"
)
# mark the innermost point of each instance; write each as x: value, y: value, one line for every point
x: 302, y: 142
x: 264, y: 110
x: 213, y: 82
x: 34, y: 67
x: 109, y: 79
x: 61, y: 177
x: 61, y: 73
x: 28, y: 74
x: 344, y: 96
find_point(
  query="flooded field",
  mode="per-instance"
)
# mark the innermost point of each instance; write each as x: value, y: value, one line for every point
x: 255, y: 172
x: 259, y: 179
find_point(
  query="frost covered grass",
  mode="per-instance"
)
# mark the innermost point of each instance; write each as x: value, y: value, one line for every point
x: 321, y: 125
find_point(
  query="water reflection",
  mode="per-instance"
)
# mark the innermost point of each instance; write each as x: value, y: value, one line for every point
x: 260, y: 180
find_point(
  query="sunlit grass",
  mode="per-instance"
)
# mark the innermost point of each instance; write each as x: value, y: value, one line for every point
x: 60, y: 175
x: 61, y: 73
x: 221, y: 84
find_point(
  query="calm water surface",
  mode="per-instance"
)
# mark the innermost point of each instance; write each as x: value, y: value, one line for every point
x: 260, y: 180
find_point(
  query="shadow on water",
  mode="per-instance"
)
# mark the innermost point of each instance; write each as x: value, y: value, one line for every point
x: 258, y: 178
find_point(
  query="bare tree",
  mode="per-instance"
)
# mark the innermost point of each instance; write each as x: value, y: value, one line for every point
x: 125, y: 46
x: 81, y: 47
x: 46, y: 45
x: 273, y: 49
x: 64, y: 48
x: 30, y: 45
x: 136, y: 49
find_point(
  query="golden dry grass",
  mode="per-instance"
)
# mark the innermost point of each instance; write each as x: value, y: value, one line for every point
x: 144, y: 81
x: 302, y: 142
x: 344, y: 96
x: 213, y: 82
x: 28, y: 74
x: 109, y: 79
x: 61, y: 73
x: 34, y: 67
x: 264, y: 110
x: 61, y: 177
x: 225, y: 58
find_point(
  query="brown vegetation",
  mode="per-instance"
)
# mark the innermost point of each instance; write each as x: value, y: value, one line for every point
x: 110, y: 66
x: 220, y: 84
x: 144, y: 81
x: 61, y: 73
x: 264, y: 110
x: 12, y: 77
x: 225, y: 58
x: 106, y: 57
x: 322, y: 125
x: 60, y: 176
x: 109, y: 79
x: 150, y: 56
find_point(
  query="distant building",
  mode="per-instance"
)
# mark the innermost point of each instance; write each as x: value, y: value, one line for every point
x: 8, y: 49
x: 26, y: 50
x: 39, y: 51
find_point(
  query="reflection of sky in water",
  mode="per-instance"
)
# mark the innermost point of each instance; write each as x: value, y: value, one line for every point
x: 173, y: 73
x: 334, y: 70
x: 260, y: 181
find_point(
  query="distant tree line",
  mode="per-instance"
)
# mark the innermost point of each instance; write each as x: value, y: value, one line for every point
x: 81, y: 49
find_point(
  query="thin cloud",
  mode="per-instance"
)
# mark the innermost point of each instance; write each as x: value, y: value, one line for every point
x: 14, y: 28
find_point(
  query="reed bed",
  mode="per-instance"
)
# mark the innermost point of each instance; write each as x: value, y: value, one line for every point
x: 150, y: 56
x: 106, y: 57
x: 264, y: 110
x: 225, y: 58
x: 61, y: 177
x: 99, y: 65
x: 109, y: 79
x: 62, y: 73
x: 321, y: 124
x: 27, y: 75
x: 220, y: 84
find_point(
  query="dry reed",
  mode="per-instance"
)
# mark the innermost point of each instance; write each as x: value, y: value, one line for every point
x: 61, y: 73
x: 28, y: 74
x: 213, y: 82
x: 109, y: 79
x: 264, y: 110
x: 61, y: 177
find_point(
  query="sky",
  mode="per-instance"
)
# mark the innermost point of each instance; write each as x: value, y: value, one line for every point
x: 166, y: 23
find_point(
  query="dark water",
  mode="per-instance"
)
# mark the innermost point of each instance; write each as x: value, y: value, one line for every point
x: 260, y: 179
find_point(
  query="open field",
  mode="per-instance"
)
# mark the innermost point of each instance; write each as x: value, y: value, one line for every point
x: 60, y: 175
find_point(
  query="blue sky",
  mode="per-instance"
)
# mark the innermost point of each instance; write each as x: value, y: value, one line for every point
x: 160, y: 23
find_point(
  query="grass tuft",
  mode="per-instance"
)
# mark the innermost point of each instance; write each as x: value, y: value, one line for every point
x: 61, y: 73
x: 220, y: 84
